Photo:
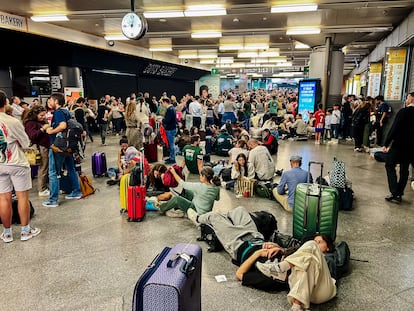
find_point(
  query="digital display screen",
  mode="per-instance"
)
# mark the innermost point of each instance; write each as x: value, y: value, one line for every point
x: 307, y: 98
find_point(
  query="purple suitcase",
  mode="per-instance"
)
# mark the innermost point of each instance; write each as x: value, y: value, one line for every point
x: 99, y: 167
x: 172, y: 282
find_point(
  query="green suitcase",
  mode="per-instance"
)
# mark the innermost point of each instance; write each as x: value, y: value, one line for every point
x: 315, y: 209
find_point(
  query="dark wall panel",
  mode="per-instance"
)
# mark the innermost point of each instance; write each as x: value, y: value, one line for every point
x: 97, y: 84
x: 173, y: 87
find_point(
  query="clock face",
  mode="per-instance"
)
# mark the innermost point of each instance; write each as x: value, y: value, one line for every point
x: 134, y: 26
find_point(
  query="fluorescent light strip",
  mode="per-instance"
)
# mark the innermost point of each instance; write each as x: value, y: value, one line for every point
x: 256, y: 46
x: 231, y: 47
x: 49, y: 18
x: 207, y: 61
x: 294, y: 8
x: 268, y: 54
x: 303, y: 31
x: 205, y: 10
x: 206, y: 34
x: 163, y: 14
x: 299, y: 46
x: 115, y: 37
x: 160, y: 49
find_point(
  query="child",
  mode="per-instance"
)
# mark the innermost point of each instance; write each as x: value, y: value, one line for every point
x: 319, y: 124
x: 327, y: 135
x: 115, y: 173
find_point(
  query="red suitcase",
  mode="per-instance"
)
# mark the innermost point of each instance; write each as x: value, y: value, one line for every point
x: 136, y: 203
x: 136, y: 196
x: 151, y: 152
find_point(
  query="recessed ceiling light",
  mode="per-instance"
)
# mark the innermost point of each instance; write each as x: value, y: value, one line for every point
x: 163, y: 20
x: 264, y: 18
x: 236, y: 20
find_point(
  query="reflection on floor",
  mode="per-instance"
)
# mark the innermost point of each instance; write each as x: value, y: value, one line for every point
x: 88, y: 257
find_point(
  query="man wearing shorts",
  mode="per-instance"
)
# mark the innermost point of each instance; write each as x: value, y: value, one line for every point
x: 14, y: 174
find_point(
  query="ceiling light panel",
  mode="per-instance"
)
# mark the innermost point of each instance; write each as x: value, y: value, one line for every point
x: 205, y: 10
x: 206, y: 34
x: 163, y: 14
x: 303, y: 31
x: 115, y: 37
x: 49, y: 18
x: 294, y: 8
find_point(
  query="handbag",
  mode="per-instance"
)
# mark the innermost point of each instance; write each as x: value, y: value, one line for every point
x: 86, y: 186
x: 33, y: 155
x: 337, y: 175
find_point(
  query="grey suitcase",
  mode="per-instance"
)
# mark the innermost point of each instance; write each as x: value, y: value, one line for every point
x: 172, y: 282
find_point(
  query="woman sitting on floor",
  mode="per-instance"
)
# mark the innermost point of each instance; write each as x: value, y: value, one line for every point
x: 198, y: 197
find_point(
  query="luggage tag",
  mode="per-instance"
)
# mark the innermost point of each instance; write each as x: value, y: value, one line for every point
x: 188, y: 266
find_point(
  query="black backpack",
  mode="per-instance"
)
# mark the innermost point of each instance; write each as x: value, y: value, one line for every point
x: 339, y: 262
x: 266, y: 223
x: 135, y: 176
x: 68, y: 140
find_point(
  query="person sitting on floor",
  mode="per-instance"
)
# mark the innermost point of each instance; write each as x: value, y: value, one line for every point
x: 198, y: 197
x: 241, y: 168
x: 261, y: 159
x: 193, y: 156
x: 270, y: 142
x: 115, y: 173
x: 155, y: 185
x: 284, y: 193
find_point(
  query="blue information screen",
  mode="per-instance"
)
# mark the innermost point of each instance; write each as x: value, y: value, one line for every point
x: 307, y: 97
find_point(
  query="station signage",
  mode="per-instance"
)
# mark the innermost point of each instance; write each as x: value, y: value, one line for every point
x: 14, y: 22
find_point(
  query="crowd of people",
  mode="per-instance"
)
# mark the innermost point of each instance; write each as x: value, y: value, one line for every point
x: 245, y: 127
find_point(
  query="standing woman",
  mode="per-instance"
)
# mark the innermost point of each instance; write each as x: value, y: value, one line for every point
x: 35, y: 125
x: 117, y: 116
x: 360, y: 118
x: 133, y: 126
x: 142, y: 112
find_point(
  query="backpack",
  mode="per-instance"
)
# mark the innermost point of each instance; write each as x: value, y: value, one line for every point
x: 169, y: 180
x: 337, y: 177
x: 266, y: 223
x: 225, y: 174
x: 264, y: 189
x: 68, y: 140
x: 224, y: 144
x: 339, y: 261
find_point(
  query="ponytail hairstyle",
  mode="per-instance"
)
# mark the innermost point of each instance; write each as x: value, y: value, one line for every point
x: 209, y: 174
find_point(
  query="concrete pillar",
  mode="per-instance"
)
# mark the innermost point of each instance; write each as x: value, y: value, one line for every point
x: 62, y: 76
x: 327, y: 64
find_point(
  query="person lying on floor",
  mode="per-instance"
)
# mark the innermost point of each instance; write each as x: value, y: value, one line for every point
x: 309, y: 279
x: 198, y: 197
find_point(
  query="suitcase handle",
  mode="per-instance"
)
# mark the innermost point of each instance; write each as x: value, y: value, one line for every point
x: 305, y: 220
x: 188, y: 265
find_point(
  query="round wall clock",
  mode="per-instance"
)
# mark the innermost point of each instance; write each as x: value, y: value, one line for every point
x: 134, y: 26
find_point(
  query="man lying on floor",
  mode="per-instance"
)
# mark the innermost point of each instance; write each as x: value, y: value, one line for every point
x: 305, y: 272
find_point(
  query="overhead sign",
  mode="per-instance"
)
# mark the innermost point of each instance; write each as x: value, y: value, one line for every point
x: 395, y: 63
x: 15, y: 22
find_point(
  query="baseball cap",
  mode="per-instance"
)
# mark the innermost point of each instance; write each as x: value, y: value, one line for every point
x: 296, y: 158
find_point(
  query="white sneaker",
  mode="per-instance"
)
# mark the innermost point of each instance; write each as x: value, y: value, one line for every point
x: 174, y: 213
x: 192, y: 215
x: 7, y: 238
x: 27, y: 235
x: 44, y: 193
x: 272, y: 270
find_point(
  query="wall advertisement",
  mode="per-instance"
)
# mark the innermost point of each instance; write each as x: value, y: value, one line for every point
x: 395, y: 62
x: 374, y: 80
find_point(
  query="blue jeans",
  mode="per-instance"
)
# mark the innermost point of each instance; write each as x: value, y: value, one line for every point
x: 335, y: 129
x: 171, y: 137
x: 56, y: 161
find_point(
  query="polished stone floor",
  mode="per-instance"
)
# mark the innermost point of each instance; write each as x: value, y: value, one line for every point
x: 89, y: 257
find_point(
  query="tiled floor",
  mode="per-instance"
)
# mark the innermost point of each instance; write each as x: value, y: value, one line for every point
x: 88, y: 257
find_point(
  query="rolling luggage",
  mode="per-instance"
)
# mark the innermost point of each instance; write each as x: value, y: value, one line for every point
x: 172, y: 281
x: 99, y: 166
x: 150, y: 150
x: 315, y: 209
x: 123, y: 192
x: 136, y: 195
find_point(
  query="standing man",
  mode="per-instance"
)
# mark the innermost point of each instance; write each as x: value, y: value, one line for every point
x: 17, y: 108
x: 56, y: 160
x: 102, y: 119
x: 399, y: 145
x: 196, y: 110
x: 284, y: 193
x: 381, y: 117
x: 170, y: 124
x: 14, y: 174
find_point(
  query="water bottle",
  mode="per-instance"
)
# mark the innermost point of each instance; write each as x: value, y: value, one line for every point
x: 235, y: 186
